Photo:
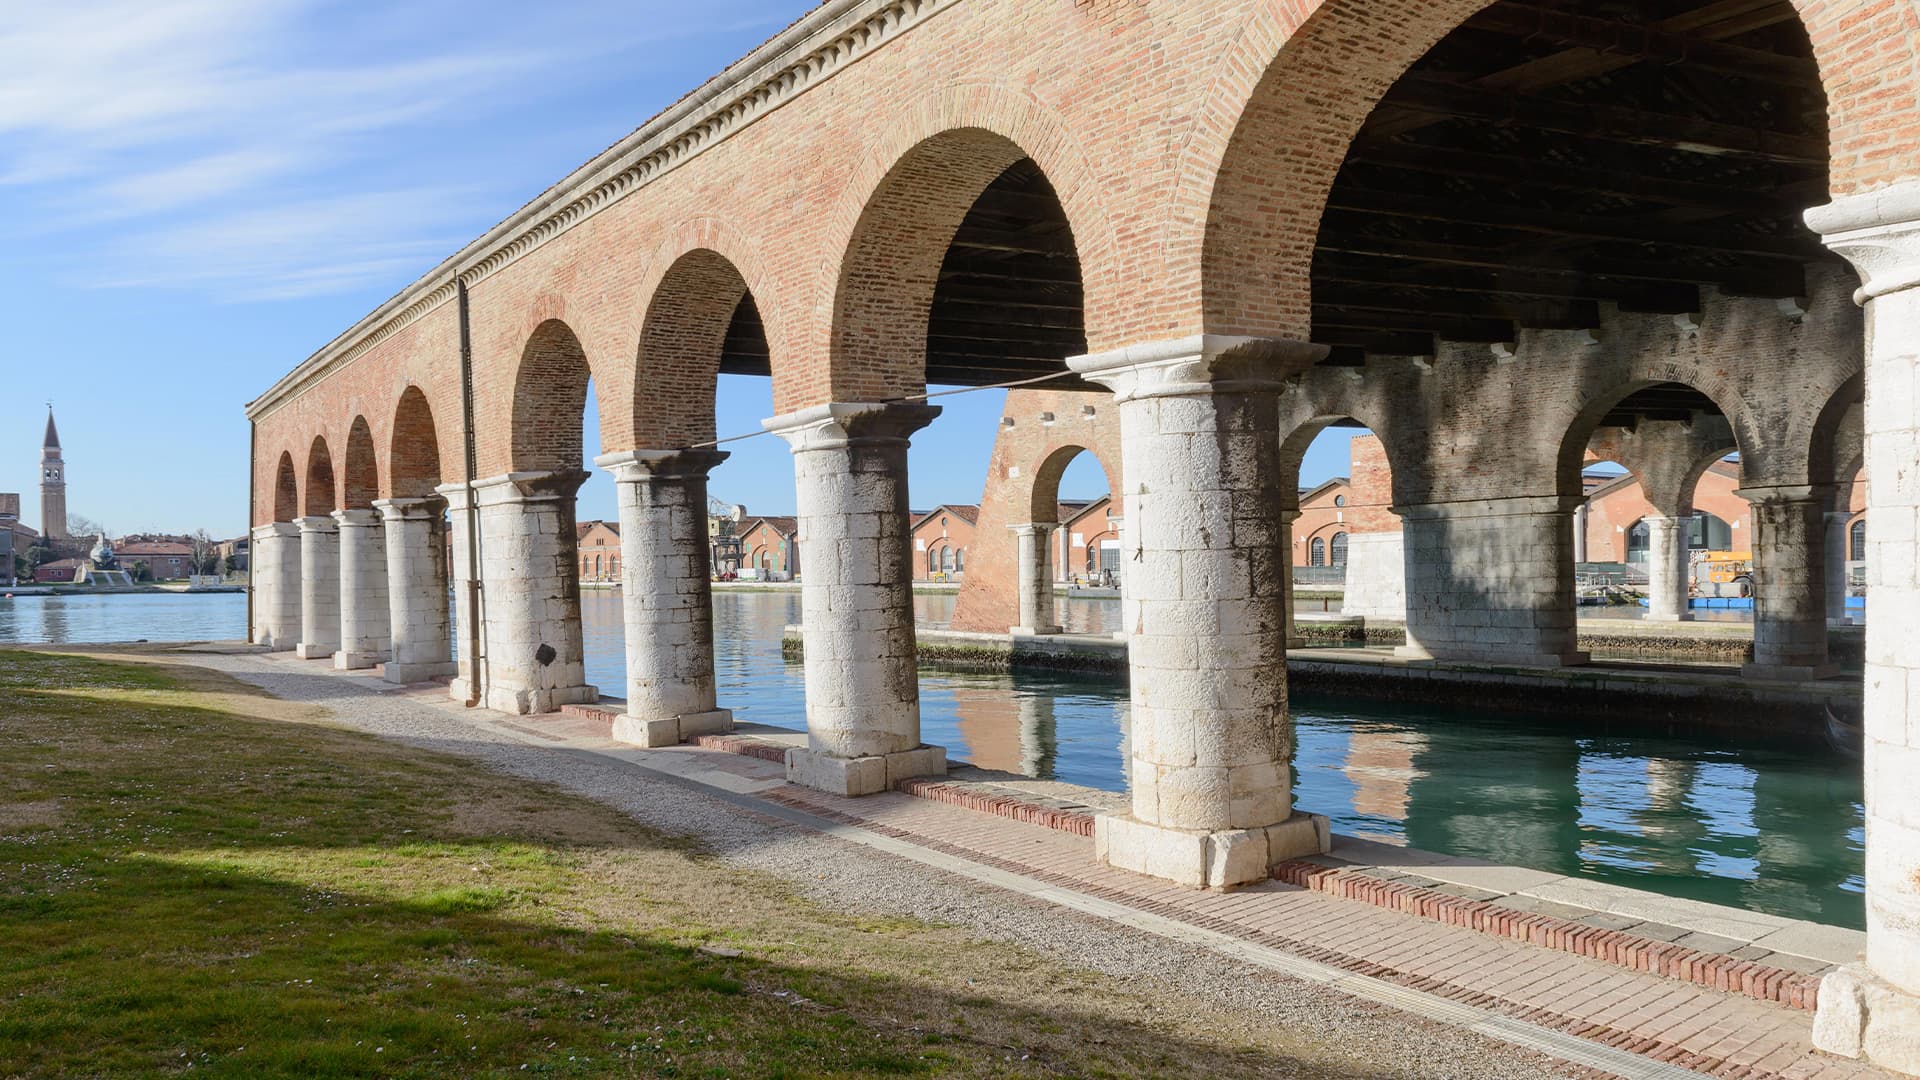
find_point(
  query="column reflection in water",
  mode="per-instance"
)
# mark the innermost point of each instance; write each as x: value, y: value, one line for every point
x: 1486, y: 793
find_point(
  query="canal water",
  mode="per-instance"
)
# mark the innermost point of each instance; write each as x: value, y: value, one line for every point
x: 1757, y: 826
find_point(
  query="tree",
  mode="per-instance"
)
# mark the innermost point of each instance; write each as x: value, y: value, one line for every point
x: 206, y: 552
x: 82, y: 525
x: 142, y: 572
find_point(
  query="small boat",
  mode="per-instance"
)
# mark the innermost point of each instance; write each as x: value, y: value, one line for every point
x: 1848, y: 739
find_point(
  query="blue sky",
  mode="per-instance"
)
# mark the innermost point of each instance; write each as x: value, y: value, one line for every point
x: 195, y: 194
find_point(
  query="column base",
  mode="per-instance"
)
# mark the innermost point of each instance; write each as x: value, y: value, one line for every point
x: 308, y: 651
x: 1545, y: 660
x: 1208, y: 860
x: 862, y: 775
x: 515, y: 702
x: 1788, y: 672
x: 407, y: 674
x: 1864, y: 1016
x: 672, y: 730
x: 357, y: 661
x: 1035, y: 631
x: 1651, y: 617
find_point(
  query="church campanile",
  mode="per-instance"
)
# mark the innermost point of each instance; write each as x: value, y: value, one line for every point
x: 53, y: 485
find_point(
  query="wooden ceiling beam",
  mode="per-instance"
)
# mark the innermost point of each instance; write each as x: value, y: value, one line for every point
x: 1537, y: 173
x: 1751, y: 277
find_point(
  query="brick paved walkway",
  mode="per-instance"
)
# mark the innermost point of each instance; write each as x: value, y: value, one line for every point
x: 1697, y: 1028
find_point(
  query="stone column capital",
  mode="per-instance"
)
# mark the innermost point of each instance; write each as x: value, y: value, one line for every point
x: 273, y: 529
x: 1201, y: 365
x: 1289, y: 515
x: 838, y: 425
x: 415, y: 508
x: 363, y: 519
x: 648, y: 466
x: 318, y: 523
x: 516, y: 487
x: 1780, y: 494
x: 1879, y: 233
x: 1033, y: 528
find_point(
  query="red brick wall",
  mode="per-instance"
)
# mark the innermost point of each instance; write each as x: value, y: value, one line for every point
x: 1191, y: 145
x: 943, y: 528
x: 1611, y: 514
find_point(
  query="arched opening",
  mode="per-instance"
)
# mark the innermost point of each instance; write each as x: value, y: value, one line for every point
x: 320, y: 494
x: 413, y: 456
x: 1347, y: 552
x: 961, y: 271
x: 1337, y: 550
x: 286, y: 490
x: 549, y: 397
x: 362, y: 471
x: 1317, y: 552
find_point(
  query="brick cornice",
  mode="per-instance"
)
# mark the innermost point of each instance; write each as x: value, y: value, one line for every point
x: 816, y: 47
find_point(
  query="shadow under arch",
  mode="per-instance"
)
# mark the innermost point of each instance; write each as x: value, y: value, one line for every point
x: 926, y: 279
x: 286, y: 489
x: 549, y: 398
x: 320, y: 494
x: 413, y: 455
x: 701, y: 320
x: 361, y: 470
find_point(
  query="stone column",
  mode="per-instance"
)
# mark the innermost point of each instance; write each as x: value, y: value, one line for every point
x: 1287, y: 518
x: 1580, y: 531
x: 416, y: 536
x: 1036, y: 583
x: 1204, y: 605
x: 319, y: 588
x: 531, y: 652
x: 856, y: 597
x: 366, y: 631
x: 1667, y: 551
x: 1491, y: 581
x: 1789, y: 584
x: 273, y: 558
x: 1836, y: 554
x: 1872, y: 1009
x: 667, y: 596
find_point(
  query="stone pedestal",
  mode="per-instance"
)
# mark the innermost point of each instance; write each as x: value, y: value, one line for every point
x: 1376, y: 584
x: 1872, y: 1010
x: 273, y: 558
x: 1789, y: 583
x: 1491, y: 581
x: 1667, y: 566
x: 319, y: 588
x: 366, y: 630
x: 1836, y: 559
x: 856, y: 589
x: 667, y: 596
x: 416, y: 549
x: 1033, y: 541
x: 531, y: 654
x: 1204, y: 600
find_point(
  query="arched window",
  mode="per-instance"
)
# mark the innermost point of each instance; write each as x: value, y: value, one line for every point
x: 1637, y: 542
x: 1857, y: 541
x: 1339, y: 549
x: 960, y: 560
x: 596, y: 566
x: 933, y: 561
x: 613, y: 566
x: 1317, y: 552
x: 946, y: 559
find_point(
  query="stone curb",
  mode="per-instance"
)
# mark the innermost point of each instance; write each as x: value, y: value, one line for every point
x: 1717, y: 971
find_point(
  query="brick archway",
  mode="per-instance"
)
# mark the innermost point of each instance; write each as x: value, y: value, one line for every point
x: 321, y: 498
x: 1303, y: 79
x: 361, y: 469
x: 683, y: 339
x: 549, y: 398
x: 413, y: 460
x: 1043, y: 497
x: 286, y: 489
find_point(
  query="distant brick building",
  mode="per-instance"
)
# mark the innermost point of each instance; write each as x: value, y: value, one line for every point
x: 1344, y: 505
x: 166, y: 559
x: 1087, y: 541
x: 941, y: 537
x: 599, y: 545
x: 770, y: 547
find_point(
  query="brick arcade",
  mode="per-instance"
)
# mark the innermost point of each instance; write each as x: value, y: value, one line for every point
x: 1504, y: 237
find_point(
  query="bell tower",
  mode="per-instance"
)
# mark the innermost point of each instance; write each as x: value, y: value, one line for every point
x: 53, y: 484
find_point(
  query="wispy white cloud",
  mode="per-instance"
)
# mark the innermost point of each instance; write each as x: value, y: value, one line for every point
x: 260, y: 149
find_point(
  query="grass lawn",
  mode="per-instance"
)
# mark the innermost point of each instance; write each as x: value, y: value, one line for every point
x: 196, y: 878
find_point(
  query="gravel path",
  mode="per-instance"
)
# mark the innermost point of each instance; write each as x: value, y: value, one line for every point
x: 851, y: 878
